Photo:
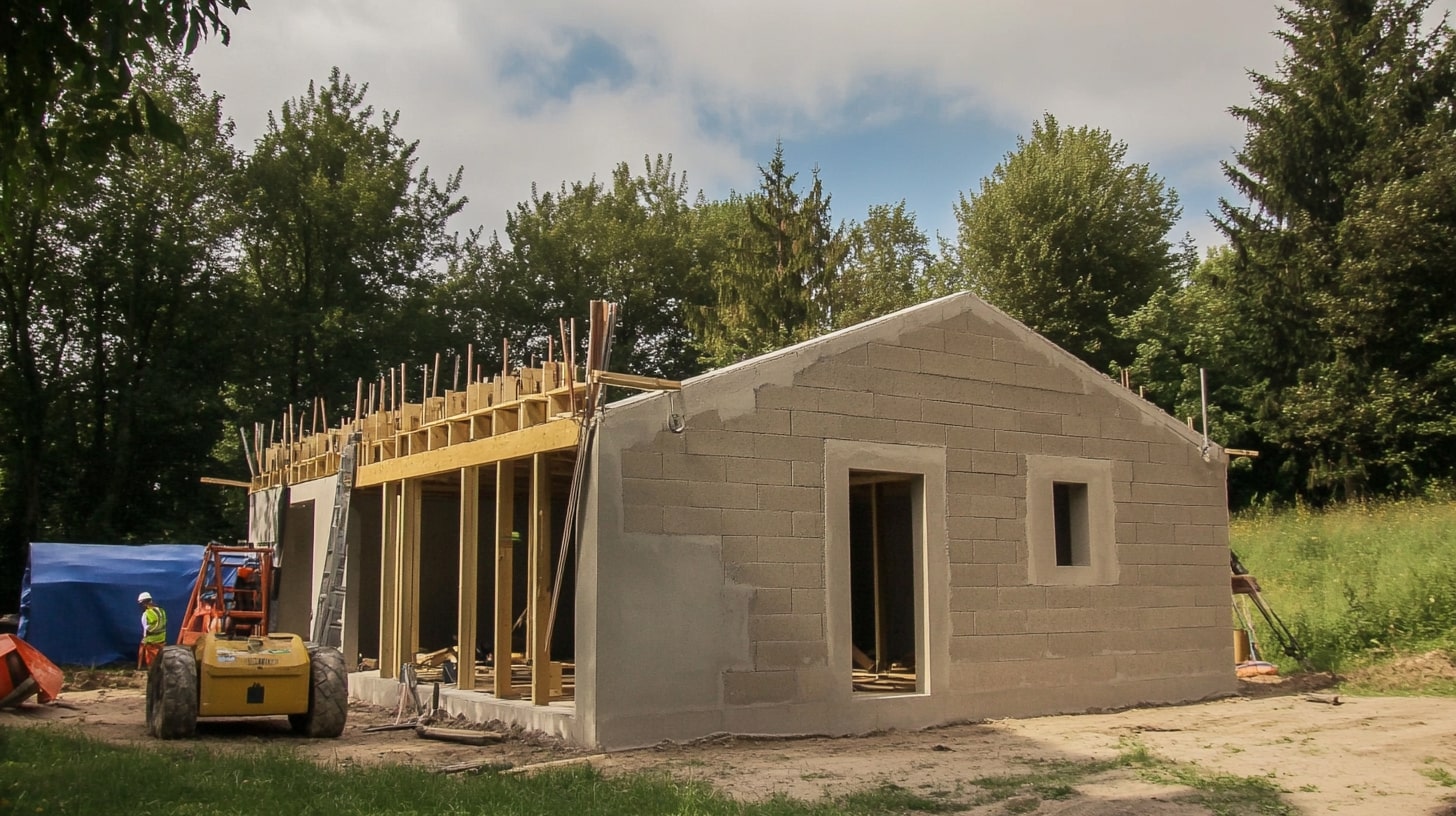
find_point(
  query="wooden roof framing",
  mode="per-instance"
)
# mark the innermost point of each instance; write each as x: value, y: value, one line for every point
x: 535, y: 410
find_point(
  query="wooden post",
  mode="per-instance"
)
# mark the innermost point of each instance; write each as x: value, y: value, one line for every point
x: 389, y: 584
x: 881, y: 664
x: 469, y: 544
x: 539, y: 581
x: 409, y: 569
x: 505, y: 514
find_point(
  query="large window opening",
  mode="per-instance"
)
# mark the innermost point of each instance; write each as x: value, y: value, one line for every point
x: 1069, y: 520
x: 885, y: 629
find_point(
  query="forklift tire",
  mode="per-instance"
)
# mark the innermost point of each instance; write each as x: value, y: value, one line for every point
x: 328, y: 695
x: 172, y: 694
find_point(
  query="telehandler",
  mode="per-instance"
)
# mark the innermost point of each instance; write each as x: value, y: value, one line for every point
x: 228, y: 664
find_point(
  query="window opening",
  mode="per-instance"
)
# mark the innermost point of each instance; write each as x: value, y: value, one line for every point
x: 1069, y: 511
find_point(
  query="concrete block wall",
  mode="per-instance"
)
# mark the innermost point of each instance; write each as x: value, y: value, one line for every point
x: 746, y: 483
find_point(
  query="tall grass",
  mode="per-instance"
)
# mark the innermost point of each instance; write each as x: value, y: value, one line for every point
x: 1355, y: 582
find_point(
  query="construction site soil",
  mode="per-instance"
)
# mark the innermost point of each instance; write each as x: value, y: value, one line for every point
x: 1364, y: 755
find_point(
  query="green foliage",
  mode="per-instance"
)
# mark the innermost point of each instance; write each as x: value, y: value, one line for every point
x: 633, y: 242
x: 1067, y: 236
x: 1355, y: 582
x: 885, y: 267
x: 1340, y: 273
x: 66, y: 73
x: 342, y: 247
x: 774, y: 287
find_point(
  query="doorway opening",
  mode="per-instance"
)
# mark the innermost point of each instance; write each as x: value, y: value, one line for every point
x: 886, y: 630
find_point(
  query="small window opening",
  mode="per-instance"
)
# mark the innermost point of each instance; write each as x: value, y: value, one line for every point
x: 1069, y: 509
x: 884, y: 624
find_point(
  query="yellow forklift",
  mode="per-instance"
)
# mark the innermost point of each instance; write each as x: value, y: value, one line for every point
x: 228, y: 664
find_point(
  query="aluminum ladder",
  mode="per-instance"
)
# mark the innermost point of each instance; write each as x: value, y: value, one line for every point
x: 328, y: 619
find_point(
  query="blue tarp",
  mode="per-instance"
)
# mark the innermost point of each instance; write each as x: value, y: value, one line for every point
x: 78, y: 601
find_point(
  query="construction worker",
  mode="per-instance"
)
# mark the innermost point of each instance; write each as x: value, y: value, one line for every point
x: 208, y: 617
x: 154, y: 630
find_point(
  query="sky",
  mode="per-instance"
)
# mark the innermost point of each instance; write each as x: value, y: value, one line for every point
x: 915, y: 99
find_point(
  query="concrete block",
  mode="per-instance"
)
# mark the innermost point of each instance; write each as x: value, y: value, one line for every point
x: 838, y: 376
x: 1135, y: 430
x: 870, y: 429
x: 1012, y: 574
x: 998, y: 419
x: 849, y: 403
x: 1068, y: 597
x: 740, y: 549
x: 1026, y: 597
x: 751, y: 688
x: 1166, y: 474
x: 895, y: 358
x: 814, y: 423
x: 1044, y: 444
x: 852, y: 356
x: 807, y: 474
x: 929, y: 338
x: 778, y: 497
x: 692, y: 520
x: 1046, y: 378
x: 772, y: 601
x: 946, y: 413
x: 1064, y: 620
x: 999, y: 622
x: 641, y: 464
x: 893, y: 407
x: 971, y: 526
x: 1176, y: 494
x: 757, y: 471
x: 693, y: 467
x: 768, y: 446
x: 920, y: 433
x: 997, y: 462
x: 995, y: 506
x: 1170, y: 664
x: 785, y: 627
x: 1095, y: 447
x: 792, y: 398
x: 971, y: 439
x: 997, y: 648
x: 1015, y: 350
x: 714, y: 443
x: 768, y: 655
x: 1193, y: 534
x: 973, y: 598
x: 809, y: 576
x: 994, y: 552
x: 969, y: 345
x: 727, y: 495
x: 1086, y: 426
x: 791, y: 550
x: 970, y: 484
x: 1033, y: 422
x: 1182, y: 617
x: 756, y: 522
x: 1173, y: 453
x: 972, y: 575
x: 763, y: 420
x: 761, y: 575
x: 808, y: 525
x: 808, y: 602
x: 1010, y: 486
x: 637, y: 518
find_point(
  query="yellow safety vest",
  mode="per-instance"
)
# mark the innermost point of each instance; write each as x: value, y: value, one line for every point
x: 156, y: 619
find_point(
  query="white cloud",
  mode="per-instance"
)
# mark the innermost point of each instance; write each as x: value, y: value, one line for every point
x: 1160, y: 75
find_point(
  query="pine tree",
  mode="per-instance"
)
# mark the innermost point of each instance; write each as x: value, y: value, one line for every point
x: 1343, y: 247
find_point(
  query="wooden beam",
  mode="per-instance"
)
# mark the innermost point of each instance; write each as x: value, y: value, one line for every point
x: 389, y: 584
x: 550, y: 436
x: 636, y: 381
x: 539, y: 580
x: 505, y: 515
x: 410, y: 493
x: 213, y: 480
x: 469, y: 546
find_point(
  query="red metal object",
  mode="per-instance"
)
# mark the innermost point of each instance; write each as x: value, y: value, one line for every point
x: 240, y: 580
x: 25, y: 672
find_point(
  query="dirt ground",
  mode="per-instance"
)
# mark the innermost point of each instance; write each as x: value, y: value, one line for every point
x: 1367, y: 755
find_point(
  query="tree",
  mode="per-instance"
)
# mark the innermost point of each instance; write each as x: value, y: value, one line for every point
x: 1067, y: 236
x: 632, y: 242
x: 343, y: 245
x: 1343, y: 245
x: 885, y: 268
x: 66, y: 72
x: 775, y: 285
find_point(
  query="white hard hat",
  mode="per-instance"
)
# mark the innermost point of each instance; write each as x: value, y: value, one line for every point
x: 145, y: 596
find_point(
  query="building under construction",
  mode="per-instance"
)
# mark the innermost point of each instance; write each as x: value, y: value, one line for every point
x: 934, y: 516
